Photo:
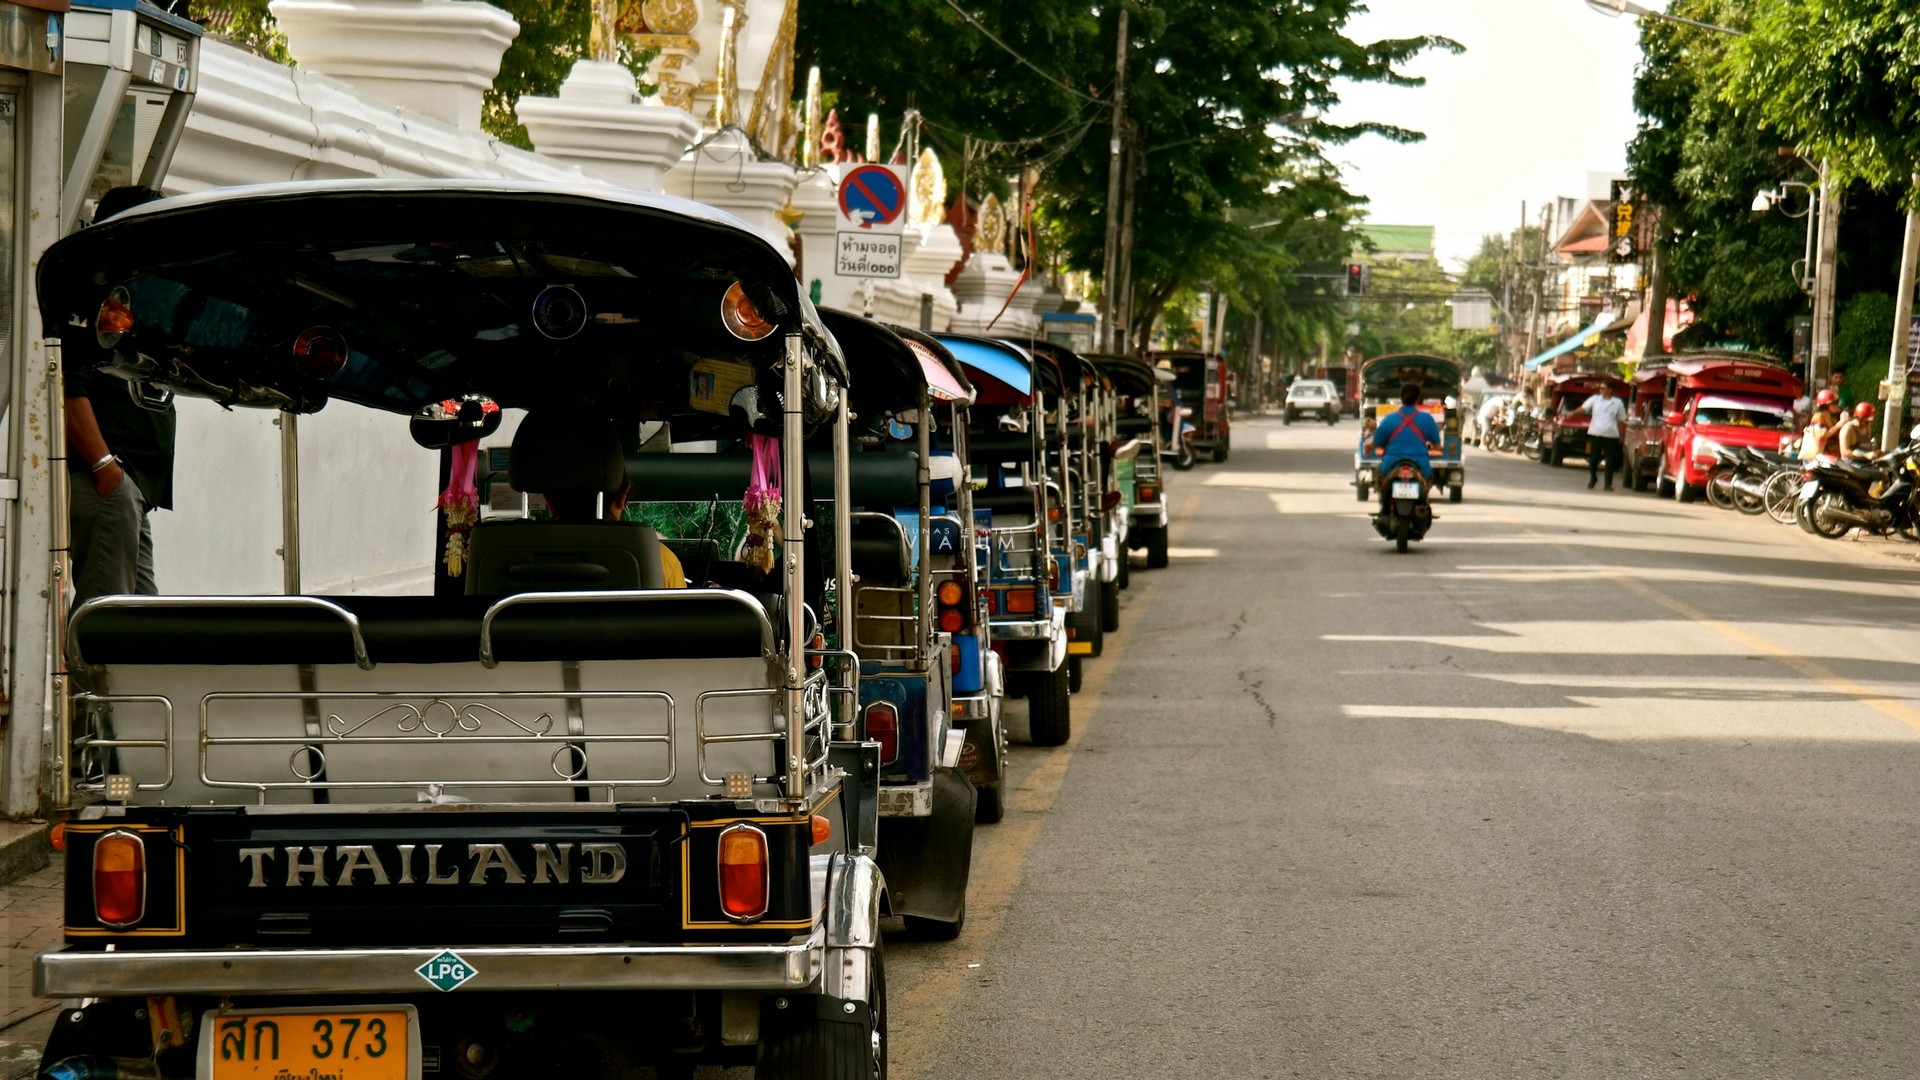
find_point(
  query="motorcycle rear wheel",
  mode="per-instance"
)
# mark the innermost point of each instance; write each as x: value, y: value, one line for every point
x: 1401, y: 527
x: 1815, y: 521
x: 1750, y: 504
x: 1718, y: 493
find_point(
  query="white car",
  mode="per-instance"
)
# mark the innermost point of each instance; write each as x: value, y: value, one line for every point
x: 1315, y: 398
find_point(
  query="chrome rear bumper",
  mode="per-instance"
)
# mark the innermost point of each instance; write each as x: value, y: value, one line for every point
x: 791, y: 965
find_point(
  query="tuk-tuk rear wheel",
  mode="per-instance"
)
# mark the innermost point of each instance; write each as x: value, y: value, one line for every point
x: 1075, y: 674
x: 1049, y: 708
x: 1124, y: 576
x: 811, y: 1048
x: 1110, y: 605
x: 1454, y: 493
x: 1157, y: 549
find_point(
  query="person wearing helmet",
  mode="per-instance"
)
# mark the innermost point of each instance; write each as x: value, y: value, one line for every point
x: 1856, y: 434
x: 1819, y: 437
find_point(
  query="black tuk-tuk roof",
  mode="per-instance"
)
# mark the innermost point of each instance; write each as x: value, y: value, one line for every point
x: 1130, y: 375
x: 883, y: 370
x: 525, y: 292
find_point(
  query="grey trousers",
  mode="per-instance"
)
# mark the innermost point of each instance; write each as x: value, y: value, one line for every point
x: 112, y: 545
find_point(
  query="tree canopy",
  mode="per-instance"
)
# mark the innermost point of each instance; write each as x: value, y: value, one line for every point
x: 1226, y: 108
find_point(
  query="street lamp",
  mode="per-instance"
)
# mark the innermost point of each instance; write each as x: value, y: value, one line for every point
x: 1768, y: 200
x: 1615, y: 8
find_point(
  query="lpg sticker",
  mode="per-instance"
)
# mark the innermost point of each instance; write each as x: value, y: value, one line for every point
x: 446, y: 971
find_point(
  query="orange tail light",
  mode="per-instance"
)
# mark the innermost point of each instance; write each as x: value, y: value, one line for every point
x: 743, y: 873
x: 119, y: 879
x: 1022, y: 601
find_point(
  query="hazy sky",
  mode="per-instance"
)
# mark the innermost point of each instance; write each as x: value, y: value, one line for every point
x: 1542, y: 97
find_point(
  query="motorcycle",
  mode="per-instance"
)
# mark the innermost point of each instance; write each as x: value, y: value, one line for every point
x: 1880, y: 497
x: 1525, y: 433
x: 1739, y: 480
x: 1405, y: 511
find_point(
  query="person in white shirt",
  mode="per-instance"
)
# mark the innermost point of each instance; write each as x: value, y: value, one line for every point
x: 1603, y: 433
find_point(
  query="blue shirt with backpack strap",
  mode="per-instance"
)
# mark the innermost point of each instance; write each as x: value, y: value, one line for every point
x: 1405, y: 434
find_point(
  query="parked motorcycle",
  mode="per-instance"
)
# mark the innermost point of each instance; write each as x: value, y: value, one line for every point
x: 1880, y: 497
x: 1525, y: 435
x: 1405, y: 512
x: 1739, y: 480
x: 1179, y: 447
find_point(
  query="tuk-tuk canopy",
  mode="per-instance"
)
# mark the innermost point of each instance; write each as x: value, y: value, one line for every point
x: 945, y: 376
x: 1382, y: 377
x: 1130, y: 376
x: 399, y: 294
x: 1002, y: 374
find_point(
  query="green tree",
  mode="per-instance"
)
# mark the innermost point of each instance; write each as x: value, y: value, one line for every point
x: 1225, y: 103
x: 1836, y: 78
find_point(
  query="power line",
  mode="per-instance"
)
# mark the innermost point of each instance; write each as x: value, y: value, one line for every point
x: 1008, y: 49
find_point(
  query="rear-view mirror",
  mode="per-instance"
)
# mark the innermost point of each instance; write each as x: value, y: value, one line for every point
x: 455, y: 421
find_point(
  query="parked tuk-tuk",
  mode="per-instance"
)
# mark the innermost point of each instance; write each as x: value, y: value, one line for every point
x: 1643, y: 436
x: 601, y: 800
x: 1203, y: 383
x: 978, y: 681
x: 1439, y: 380
x: 1019, y: 527
x: 1137, y: 406
x: 1721, y: 399
x: 1093, y: 534
x: 906, y: 610
x: 1563, y: 432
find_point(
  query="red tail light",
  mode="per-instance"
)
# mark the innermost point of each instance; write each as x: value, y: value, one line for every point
x: 743, y: 873
x: 319, y: 352
x: 114, y: 318
x: 1022, y: 601
x: 883, y: 727
x: 1149, y: 494
x: 951, y: 621
x: 119, y: 879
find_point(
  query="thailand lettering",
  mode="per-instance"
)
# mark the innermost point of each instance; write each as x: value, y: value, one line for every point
x: 317, y: 866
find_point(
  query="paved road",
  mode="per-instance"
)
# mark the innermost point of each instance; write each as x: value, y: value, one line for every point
x: 1587, y: 785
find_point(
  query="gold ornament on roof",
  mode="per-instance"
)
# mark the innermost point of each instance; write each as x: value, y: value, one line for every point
x: 990, y: 235
x: 658, y: 16
x: 602, y: 30
x: 929, y: 206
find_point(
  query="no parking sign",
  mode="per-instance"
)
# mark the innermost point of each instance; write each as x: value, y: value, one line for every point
x: 873, y: 205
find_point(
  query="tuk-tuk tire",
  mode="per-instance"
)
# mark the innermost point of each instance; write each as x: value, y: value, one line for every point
x: 1050, y: 709
x: 1075, y: 674
x: 1454, y: 493
x: 991, y: 806
x: 1110, y: 605
x: 1157, y: 549
x: 1361, y: 491
x: 800, y: 1048
x: 921, y: 929
x: 1123, y: 577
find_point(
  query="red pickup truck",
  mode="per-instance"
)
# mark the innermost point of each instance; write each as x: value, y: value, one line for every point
x: 1720, y: 400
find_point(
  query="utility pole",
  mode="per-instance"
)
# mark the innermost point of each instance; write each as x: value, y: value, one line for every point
x: 1123, y: 270
x: 1893, y: 425
x: 1825, y: 267
x: 1109, y: 275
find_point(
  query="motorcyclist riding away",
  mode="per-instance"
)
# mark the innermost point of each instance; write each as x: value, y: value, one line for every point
x: 1406, y: 434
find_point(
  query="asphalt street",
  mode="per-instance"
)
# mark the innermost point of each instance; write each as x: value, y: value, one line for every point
x: 1586, y: 785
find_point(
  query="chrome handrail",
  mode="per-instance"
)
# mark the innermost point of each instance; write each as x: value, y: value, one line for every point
x: 92, y: 743
x: 100, y: 603
x: 747, y: 600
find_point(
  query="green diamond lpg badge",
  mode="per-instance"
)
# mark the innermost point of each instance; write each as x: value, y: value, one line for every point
x: 446, y: 971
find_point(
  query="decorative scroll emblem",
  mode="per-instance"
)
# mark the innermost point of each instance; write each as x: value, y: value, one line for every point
x: 929, y: 204
x: 991, y: 235
x: 667, y: 16
x: 446, y: 971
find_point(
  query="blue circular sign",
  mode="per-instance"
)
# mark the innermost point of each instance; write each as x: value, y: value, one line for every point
x: 872, y: 195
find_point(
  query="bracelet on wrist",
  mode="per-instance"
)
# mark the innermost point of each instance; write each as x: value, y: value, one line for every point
x: 103, y: 462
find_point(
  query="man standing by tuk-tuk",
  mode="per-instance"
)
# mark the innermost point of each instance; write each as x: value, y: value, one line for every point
x: 1603, y: 433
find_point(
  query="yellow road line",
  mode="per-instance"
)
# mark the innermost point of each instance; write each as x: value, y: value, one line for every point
x: 1780, y: 654
x: 924, y: 1005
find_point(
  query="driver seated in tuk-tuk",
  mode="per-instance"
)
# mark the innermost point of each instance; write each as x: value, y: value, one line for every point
x: 582, y: 470
x: 1406, y: 434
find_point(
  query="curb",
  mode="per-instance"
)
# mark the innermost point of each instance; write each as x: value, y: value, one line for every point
x: 24, y: 849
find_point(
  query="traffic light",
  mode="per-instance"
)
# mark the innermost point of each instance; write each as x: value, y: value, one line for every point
x: 1356, y: 279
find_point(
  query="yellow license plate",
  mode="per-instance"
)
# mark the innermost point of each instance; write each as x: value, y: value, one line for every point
x: 310, y: 1044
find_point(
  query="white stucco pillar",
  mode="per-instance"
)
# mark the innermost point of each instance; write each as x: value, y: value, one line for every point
x: 435, y: 57
x: 820, y: 219
x: 599, y: 122
x: 982, y: 289
x: 727, y: 173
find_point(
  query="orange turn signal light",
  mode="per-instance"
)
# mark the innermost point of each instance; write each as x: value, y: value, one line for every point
x: 114, y: 318
x: 951, y: 593
x: 822, y: 829
x: 1022, y: 601
x: 119, y: 879
x: 740, y: 317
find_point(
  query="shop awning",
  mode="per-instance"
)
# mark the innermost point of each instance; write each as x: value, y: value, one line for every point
x: 1572, y: 343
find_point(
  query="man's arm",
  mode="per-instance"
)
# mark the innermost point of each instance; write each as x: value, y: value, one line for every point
x: 86, y: 443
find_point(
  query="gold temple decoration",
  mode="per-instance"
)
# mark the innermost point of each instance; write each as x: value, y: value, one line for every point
x: 602, y: 30
x: 726, y: 83
x: 810, y: 152
x: 769, y: 121
x: 990, y: 235
x: 927, y: 207
x: 666, y: 26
